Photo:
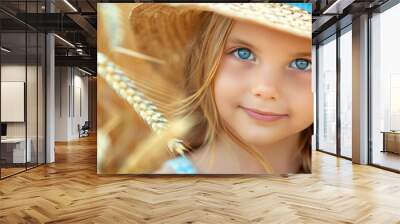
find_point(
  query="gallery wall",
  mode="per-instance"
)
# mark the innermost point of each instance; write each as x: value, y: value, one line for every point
x: 71, y: 102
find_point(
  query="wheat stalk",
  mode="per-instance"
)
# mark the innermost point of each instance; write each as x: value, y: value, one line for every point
x: 128, y: 91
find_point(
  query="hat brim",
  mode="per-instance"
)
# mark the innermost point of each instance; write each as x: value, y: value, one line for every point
x: 279, y: 16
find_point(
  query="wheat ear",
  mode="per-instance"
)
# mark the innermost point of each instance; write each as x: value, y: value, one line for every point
x: 128, y: 91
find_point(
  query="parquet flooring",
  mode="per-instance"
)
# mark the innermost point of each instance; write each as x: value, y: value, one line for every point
x: 9, y: 171
x: 70, y: 191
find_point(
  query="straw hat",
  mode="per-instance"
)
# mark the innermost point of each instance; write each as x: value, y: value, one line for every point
x: 160, y: 41
x: 286, y: 17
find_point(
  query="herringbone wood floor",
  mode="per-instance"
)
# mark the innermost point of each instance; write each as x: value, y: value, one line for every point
x: 70, y: 191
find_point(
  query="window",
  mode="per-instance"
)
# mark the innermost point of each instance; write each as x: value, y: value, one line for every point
x: 385, y: 89
x: 346, y: 93
x: 327, y: 96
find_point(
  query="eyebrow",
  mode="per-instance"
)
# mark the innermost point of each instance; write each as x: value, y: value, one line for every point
x: 303, y: 54
x: 242, y: 42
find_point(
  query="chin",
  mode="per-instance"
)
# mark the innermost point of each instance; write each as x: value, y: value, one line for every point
x: 259, y: 138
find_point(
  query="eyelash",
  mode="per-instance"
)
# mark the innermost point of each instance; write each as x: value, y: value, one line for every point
x: 292, y: 64
x: 235, y: 53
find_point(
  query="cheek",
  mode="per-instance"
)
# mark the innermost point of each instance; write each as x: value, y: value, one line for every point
x: 229, y: 86
x: 301, y: 99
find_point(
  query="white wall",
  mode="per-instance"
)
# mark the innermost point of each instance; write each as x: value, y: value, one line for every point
x: 81, y: 102
x: 71, y: 94
x: 61, y: 103
x: 15, y: 73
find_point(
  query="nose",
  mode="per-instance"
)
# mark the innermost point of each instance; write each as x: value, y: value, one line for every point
x: 266, y: 85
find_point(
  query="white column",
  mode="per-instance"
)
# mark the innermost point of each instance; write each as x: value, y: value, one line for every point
x: 50, y: 92
x: 360, y: 90
x: 50, y: 99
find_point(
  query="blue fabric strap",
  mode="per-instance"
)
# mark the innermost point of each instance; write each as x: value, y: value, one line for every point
x: 305, y: 6
x: 182, y: 165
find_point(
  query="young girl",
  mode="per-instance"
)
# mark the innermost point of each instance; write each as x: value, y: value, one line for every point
x: 246, y: 71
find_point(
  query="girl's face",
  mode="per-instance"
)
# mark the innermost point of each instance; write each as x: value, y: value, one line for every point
x: 263, y: 84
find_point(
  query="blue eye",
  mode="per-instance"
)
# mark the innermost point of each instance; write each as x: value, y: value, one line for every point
x: 244, y: 54
x: 301, y: 64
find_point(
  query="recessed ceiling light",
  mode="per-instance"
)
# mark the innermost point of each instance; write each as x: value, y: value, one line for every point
x: 64, y: 40
x: 70, y: 5
x: 84, y: 71
x: 5, y: 50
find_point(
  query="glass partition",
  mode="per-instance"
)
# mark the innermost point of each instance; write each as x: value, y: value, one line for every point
x: 22, y: 88
x: 13, y: 105
x: 31, y: 100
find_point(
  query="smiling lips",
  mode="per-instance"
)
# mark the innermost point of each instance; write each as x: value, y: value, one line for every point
x: 262, y: 115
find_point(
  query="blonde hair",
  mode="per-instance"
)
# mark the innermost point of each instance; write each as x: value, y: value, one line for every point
x: 305, y: 149
x: 202, y: 64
